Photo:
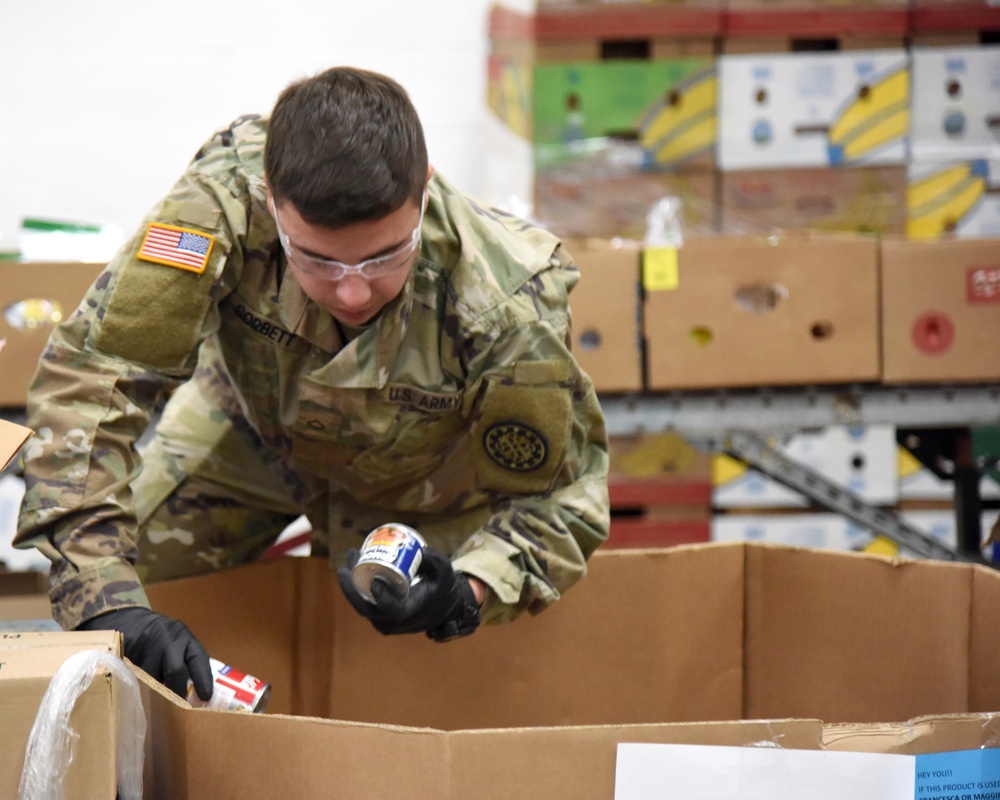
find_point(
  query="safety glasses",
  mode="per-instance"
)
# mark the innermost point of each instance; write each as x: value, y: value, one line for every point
x: 332, y: 270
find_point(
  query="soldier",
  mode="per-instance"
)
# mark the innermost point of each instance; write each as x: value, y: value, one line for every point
x: 337, y: 332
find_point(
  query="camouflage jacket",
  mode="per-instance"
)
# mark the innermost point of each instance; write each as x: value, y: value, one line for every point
x: 463, y: 397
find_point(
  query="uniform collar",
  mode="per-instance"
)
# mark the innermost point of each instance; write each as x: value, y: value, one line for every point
x: 363, y: 362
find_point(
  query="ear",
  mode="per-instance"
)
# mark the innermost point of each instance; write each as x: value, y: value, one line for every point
x: 430, y: 171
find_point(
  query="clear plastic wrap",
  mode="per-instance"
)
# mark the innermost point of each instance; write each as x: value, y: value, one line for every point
x: 52, y: 742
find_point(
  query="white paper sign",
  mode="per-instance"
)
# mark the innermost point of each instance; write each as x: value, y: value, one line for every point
x: 698, y: 772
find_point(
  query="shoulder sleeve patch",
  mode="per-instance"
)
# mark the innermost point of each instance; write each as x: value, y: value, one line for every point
x: 172, y: 246
x: 155, y: 313
x: 520, y: 442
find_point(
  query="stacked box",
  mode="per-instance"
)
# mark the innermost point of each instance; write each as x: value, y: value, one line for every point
x: 813, y: 140
x: 597, y: 116
x: 606, y: 308
x: 862, y: 460
x: 732, y: 311
x: 954, y: 172
x: 940, y: 310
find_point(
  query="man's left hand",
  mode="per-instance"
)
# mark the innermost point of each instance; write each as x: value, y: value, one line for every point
x: 441, y: 603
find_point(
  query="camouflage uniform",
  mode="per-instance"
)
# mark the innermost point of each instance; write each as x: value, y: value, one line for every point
x: 460, y: 411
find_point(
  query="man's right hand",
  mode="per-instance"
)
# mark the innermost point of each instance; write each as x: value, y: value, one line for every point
x: 160, y: 646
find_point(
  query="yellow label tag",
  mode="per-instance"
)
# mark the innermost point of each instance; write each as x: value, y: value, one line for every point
x: 659, y: 269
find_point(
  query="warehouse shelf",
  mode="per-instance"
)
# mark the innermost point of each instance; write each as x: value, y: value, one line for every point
x: 707, y: 414
x: 744, y: 423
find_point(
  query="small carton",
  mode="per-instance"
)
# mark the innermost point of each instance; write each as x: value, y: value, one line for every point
x: 28, y: 662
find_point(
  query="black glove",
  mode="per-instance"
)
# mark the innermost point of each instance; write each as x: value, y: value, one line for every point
x: 441, y: 603
x: 160, y: 646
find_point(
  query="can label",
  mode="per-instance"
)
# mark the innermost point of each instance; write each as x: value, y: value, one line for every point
x: 391, y: 553
x: 232, y: 690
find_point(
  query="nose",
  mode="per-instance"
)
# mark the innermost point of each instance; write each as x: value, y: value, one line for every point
x: 353, y: 291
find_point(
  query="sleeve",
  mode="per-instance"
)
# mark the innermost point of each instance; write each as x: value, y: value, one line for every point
x: 104, y: 372
x: 540, y: 446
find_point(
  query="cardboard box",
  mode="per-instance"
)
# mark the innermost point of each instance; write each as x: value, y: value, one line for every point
x: 862, y: 460
x: 28, y: 661
x: 589, y: 146
x: 813, y: 109
x: 956, y: 103
x: 716, y: 639
x: 613, y: 202
x: 606, y: 309
x: 33, y: 298
x: 859, y: 199
x: 940, y: 310
x: 748, y: 311
x: 953, y: 199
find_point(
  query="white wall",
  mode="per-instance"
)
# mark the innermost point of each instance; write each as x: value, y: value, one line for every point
x: 103, y: 102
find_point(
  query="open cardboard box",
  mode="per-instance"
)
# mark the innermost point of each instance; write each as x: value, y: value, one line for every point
x: 707, y: 644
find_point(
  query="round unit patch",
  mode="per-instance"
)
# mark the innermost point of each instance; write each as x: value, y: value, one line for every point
x: 515, y: 446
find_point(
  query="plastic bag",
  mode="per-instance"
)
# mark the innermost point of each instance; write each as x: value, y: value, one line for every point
x: 52, y: 743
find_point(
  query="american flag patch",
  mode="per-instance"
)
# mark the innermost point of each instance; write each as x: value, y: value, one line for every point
x: 176, y: 247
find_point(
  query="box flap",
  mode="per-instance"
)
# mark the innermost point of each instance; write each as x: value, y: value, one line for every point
x: 39, y: 655
x: 12, y: 437
x: 855, y: 638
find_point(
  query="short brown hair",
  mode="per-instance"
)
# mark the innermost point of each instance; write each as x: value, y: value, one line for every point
x: 343, y: 146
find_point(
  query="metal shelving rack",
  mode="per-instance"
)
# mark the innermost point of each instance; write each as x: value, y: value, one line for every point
x: 744, y: 422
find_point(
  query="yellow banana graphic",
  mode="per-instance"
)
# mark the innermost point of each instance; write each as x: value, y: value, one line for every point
x: 683, y: 123
x: 937, y: 216
x: 880, y: 114
x: 929, y: 188
x: 694, y: 138
x: 893, y: 127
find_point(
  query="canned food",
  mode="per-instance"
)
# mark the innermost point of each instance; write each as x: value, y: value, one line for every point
x: 232, y: 690
x: 391, y: 553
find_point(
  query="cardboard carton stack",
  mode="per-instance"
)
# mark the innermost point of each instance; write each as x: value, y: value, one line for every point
x: 600, y: 110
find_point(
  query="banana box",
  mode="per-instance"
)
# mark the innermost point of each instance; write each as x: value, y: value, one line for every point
x: 790, y: 309
x: 860, y: 459
x: 606, y: 312
x: 917, y: 482
x: 956, y: 103
x: 862, y: 199
x: 831, y: 109
x: 589, y: 147
x: 667, y: 107
x: 940, y: 310
x: 611, y: 203
x: 953, y: 198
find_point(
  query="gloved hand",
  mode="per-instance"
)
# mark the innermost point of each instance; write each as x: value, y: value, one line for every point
x: 441, y: 603
x: 161, y: 646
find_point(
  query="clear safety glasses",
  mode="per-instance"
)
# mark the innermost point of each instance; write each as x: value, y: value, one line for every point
x: 332, y: 270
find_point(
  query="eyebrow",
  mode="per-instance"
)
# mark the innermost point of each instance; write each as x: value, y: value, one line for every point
x: 383, y: 252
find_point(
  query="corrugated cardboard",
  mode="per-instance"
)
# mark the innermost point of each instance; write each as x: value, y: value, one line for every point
x: 27, y: 663
x: 33, y: 297
x: 956, y: 103
x: 698, y: 644
x: 748, y: 311
x: 12, y: 436
x: 940, y: 310
x: 861, y: 199
x: 606, y: 310
x: 813, y: 109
